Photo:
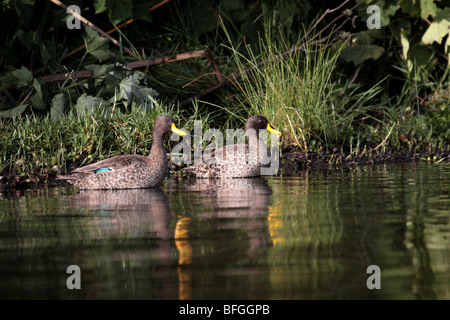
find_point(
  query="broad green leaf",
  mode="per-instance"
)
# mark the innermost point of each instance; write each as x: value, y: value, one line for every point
x: 120, y: 10
x: 99, y: 72
x: 427, y: 8
x: 96, y: 45
x: 100, y: 6
x: 27, y: 38
x: 411, y: 7
x: 141, y: 10
x: 146, y: 97
x: 117, y: 10
x: 358, y: 54
x: 421, y: 56
x: 45, y: 54
x: 129, y: 86
x: 37, y: 85
x: 23, y: 77
x: 87, y: 104
x: 388, y: 11
x: 57, y: 106
x: 14, y: 112
x: 7, y: 81
x: 37, y: 102
x: 438, y: 29
x: 133, y: 92
x: 38, y: 99
x: 362, y: 48
x: 366, y: 37
x: 97, y: 69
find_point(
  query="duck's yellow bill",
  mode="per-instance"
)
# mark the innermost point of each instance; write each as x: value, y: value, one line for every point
x: 176, y: 130
x: 270, y: 129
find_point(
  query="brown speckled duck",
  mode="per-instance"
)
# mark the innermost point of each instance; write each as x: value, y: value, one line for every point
x: 237, y: 160
x: 129, y: 171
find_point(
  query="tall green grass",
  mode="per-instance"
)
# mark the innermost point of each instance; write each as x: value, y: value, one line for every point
x: 305, y: 96
x: 302, y: 93
x: 420, y: 113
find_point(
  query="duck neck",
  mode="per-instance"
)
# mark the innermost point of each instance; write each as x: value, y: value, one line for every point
x: 157, y: 145
x: 254, y: 140
x: 252, y: 137
x: 257, y: 146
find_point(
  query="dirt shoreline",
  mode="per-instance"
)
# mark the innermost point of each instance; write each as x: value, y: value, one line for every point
x: 296, y: 161
x: 292, y: 162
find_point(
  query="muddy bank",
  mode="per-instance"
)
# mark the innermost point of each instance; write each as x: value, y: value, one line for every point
x: 292, y: 162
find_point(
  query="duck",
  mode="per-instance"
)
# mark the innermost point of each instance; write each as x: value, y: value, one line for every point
x: 129, y: 171
x: 237, y: 160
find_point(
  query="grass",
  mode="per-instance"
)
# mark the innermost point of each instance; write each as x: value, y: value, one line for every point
x: 316, y: 108
x: 302, y: 93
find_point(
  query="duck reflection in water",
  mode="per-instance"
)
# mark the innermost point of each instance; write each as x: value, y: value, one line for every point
x: 238, y: 203
x: 143, y: 215
x: 125, y: 213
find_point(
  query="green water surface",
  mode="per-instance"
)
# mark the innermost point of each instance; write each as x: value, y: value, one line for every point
x: 312, y: 236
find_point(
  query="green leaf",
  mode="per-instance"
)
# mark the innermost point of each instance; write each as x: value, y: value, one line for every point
x: 145, y: 97
x: 411, y: 7
x: 117, y: 10
x: 438, y: 29
x: 129, y: 86
x: 361, y: 48
x: 130, y: 89
x: 57, y: 106
x: 37, y: 102
x: 6, y: 81
x: 366, y: 37
x: 45, y: 54
x: 422, y: 56
x: 38, y: 99
x: 37, y: 85
x: 14, y: 112
x: 141, y: 11
x: 87, y: 104
x: 387, y: 12
x: 120, y: 10
x: 357, y: 55
x: 27, y: 38
x: 100, y: 6
x: 23, y: 77
x: 427, y: 8
x: 97, y: 69
x: 99, y: 72
x: 96, y: 45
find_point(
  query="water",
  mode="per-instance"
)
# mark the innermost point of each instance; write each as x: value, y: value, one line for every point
x: 307, y: 237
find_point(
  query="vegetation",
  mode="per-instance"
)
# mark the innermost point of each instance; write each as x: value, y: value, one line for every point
x: 314, y: 69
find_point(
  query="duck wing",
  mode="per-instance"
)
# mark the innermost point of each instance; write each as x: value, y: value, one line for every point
x: 228, y: 153
x: 111, y: 164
